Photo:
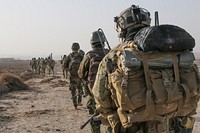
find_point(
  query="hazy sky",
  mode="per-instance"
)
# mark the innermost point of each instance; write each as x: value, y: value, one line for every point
x: 39, y: 27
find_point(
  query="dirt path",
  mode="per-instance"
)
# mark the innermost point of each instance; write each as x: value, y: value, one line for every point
x: 47, y: 107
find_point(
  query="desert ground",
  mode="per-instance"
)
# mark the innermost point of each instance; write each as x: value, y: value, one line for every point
x: 45, y: 106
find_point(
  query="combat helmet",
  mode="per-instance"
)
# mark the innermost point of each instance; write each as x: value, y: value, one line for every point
x: 75, y: 46
x: 97, y: 38
x: 132, y: 17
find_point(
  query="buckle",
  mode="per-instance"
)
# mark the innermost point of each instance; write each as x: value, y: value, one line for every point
x: 167, y: 82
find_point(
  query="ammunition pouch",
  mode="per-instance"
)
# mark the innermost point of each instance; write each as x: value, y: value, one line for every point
x: 184, y: 124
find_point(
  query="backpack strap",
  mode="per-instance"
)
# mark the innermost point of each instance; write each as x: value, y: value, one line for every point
x: 176, y: 68
x: 149, y: 104
x: 177, y: 78
x: 187, y: 93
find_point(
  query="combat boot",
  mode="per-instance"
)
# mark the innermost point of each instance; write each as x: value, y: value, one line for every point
x: 75, y: 106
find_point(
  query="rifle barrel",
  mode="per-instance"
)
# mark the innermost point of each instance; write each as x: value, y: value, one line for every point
x: 84, y: 124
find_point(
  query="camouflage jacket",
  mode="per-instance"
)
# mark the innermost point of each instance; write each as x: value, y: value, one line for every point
x: 85, y: 64
x: 102, y: 94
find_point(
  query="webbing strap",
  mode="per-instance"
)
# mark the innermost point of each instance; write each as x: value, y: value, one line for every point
x: 187, y: 93
x: 176, y: 68
x: 146, y: 73
x: 149, y: 104
x: 124, y: 90
x: 167, y: 85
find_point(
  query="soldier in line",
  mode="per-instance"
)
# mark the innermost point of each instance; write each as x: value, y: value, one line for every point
x: 62, y: 62
x: 72, y: 64
x: 33, y: 64
x: 38, y: 65
x: 88, y: 70
x: 42, y: 65
x: 128, y: 24
x: 50, y: 65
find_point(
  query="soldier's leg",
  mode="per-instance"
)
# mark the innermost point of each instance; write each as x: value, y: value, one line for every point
x: 73, y: 93
x: 108, y: 129
x: 94, y: 125
x: 80, y: 93
x: 63, y: 71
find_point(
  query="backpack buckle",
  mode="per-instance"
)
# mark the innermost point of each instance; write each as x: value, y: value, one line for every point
x: 124, y: 83
x: 124, y: 80
x: 167, y: 82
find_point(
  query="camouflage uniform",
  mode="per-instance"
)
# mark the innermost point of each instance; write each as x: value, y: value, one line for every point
x: 33, y: 65
x: 42, y: 65
x: 62, y: 62
x: 75, y: 83
x: 83, y: 74
x: 38, y: 65
x: 88, y: 74
x: 104, y: 98
x: 107, y: 107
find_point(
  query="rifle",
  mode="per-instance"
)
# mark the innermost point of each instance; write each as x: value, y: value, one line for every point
x: 102, y: 41
x: 91, y: 118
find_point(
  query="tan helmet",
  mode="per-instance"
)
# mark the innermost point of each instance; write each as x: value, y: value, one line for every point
x: 133, y: 17
x: 75, y: 46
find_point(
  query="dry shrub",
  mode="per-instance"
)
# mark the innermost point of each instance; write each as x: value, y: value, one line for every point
x: 9, y: 82
x: 26, y: 75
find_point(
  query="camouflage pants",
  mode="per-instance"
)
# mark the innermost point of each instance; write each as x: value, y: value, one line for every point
x: 76, y: 91
x: 95, y: 125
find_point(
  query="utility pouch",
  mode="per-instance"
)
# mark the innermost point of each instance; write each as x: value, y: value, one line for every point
x: 188, y: 122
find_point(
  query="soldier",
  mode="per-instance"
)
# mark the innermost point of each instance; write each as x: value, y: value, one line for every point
x: 88, y: 70
x: 72, y: 64
x: 111, y: 92
x: 50, y: 65
x: 43, y: 63
x: 33, y: 65
x: 38, y: 65
x: 63, y: 66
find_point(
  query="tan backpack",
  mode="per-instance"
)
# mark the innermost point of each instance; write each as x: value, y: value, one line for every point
x: 154, y: 86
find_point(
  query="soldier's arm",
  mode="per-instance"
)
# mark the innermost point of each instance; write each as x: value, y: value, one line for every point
x: 84, y: 67
x: 102, y: 94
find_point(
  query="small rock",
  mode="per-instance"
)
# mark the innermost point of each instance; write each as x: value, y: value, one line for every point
x: 58, y: 130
